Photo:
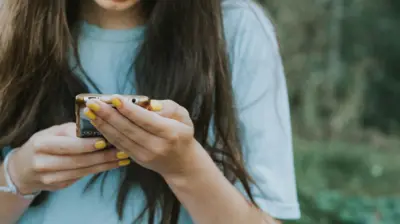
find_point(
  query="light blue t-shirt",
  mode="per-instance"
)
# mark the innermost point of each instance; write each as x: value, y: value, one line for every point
x: 260, y: 90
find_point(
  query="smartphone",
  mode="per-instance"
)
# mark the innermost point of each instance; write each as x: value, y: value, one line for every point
x: 84, y: 129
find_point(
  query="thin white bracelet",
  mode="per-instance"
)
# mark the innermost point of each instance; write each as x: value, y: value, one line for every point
x: 11, y: 188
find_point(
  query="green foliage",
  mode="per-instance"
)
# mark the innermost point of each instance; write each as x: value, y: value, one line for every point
x: 340, y: 58
x: 345, y: 52
x: 344, y: 183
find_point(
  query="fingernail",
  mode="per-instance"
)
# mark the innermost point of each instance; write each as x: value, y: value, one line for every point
x: 116, y: 102
x: 94, y: 106
x: 124, y: 162
x: 122, y: 155
x: 90, y: 114
x: 94, y: 125
x: 100, y: 144
x: 156, y: 105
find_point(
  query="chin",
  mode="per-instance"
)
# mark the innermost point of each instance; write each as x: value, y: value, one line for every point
x: 116, y: 5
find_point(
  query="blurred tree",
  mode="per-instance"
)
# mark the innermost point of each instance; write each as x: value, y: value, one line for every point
x: 341, y: 63
x: 340, y: 60
x: 382, y: 33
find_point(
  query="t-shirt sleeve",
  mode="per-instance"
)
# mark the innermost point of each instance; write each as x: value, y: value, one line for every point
x: 261, y: 94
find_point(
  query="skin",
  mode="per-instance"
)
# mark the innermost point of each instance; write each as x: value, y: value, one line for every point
x: 113, y: 15
x: 53, y: 159
x: 160, y: 140
x: 116, y: 6
x: 163, y: 142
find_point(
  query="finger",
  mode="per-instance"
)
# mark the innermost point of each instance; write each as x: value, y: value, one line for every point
x: 121, y: 124
x: 117, y: 138
x: 172, y: 110
x: 68, y: 129
x: 136, y: 151
x: 148, y: 120
x: 60, y: 145
x: 61, y: 176
x: 50, y: 163
x: 58, y: 129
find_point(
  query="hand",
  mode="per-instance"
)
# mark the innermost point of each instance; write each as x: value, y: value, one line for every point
x: 162, y: 141
x: 55, y: 158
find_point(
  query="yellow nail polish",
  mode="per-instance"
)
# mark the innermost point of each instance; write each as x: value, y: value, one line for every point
x: 90, y: 114
x: 124, y: 162
x: 156, y: 105
x: 116, y: 102
x: 122, y: 155
x: 94, y: 125
x: 101, y: 144
x: 94, y: 106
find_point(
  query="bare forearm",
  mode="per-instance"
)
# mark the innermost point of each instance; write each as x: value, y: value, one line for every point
x: 210, y: 198
x: 11, y: 207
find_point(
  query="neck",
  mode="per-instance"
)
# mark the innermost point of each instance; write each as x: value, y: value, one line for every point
x: 109, y: 19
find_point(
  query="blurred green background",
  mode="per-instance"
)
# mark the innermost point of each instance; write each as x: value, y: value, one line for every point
x: 341, y: 63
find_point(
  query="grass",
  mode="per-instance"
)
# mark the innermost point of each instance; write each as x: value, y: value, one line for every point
x: 341, y: 182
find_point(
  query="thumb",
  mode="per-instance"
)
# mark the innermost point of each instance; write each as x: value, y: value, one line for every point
x: 66, y: 129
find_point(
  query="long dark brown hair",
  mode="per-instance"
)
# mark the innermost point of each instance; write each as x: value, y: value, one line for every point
x: 183, y: 57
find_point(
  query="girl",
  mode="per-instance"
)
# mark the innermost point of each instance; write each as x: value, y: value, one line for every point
x: 216, y: 148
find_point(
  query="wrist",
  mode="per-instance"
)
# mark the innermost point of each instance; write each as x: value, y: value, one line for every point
x: 196, y: 169
x: 15, y: 177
